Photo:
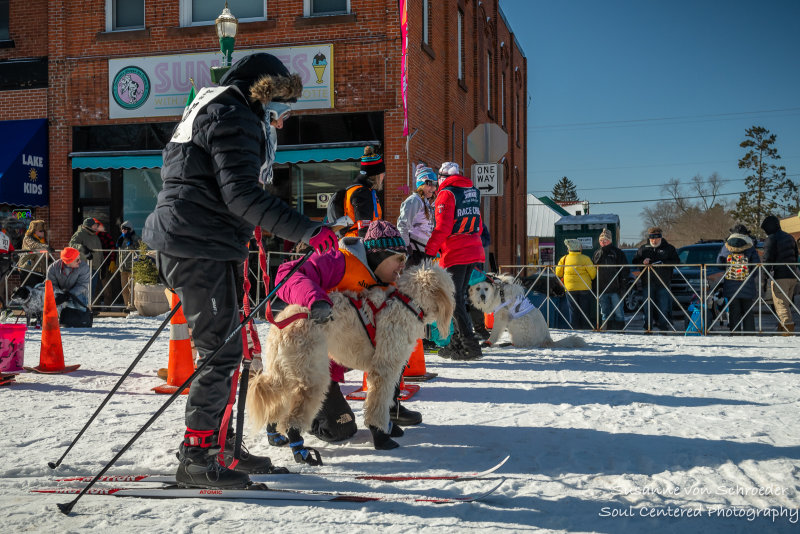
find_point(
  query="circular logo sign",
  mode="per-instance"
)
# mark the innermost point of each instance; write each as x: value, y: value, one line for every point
x: 131, y: 87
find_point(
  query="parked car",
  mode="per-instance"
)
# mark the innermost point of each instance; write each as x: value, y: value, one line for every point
x: 687, y: 283
x: 634, y: 298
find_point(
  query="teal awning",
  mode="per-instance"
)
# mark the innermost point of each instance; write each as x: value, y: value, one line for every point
x: 154, y: 161
x: 316, y: 155
x: 117, y: 162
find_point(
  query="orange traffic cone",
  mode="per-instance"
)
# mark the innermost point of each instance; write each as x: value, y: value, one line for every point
x: 406, y: 391
x: 415, y: 370
x: 51, y: 354
x: 181, y: 364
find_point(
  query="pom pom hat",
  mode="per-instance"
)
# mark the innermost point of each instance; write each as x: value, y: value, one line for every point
x: 382, y: 241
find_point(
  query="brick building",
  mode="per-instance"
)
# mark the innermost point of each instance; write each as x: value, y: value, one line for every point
x: 105, y: 82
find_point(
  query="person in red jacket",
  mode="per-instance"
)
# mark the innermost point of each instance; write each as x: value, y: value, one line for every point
x: 457, y: 237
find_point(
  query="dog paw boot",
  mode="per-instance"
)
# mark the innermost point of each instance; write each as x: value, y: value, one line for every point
x: 301, y: 453
x: 274, y: 437
x: 382, y: 440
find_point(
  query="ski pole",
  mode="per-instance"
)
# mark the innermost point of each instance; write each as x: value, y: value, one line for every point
x: 127, y: 372
x: 66, y: 508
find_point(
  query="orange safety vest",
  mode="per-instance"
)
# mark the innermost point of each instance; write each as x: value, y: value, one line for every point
x: 357, y: 276
x: 351, y: 212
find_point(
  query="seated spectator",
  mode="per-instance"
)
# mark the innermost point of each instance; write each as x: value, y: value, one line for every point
x: 70, y: 277
x: 577, y: 271
x: 739, y: 285
x: 34, y: 265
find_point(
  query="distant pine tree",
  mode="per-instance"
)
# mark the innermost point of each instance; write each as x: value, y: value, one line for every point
x: 769, y: 192
x: 565, y: 191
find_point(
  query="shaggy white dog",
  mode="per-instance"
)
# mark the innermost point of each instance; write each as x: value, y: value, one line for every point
x: 292, y: 386
x: 514, y: 312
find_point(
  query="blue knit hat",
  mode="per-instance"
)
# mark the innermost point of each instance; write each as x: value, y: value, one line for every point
x: 424, y: 174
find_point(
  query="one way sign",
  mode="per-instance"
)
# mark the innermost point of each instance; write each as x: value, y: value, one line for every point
x: 488, y: 178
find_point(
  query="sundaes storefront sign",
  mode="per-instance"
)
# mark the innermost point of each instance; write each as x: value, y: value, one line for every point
x: 157, y: 86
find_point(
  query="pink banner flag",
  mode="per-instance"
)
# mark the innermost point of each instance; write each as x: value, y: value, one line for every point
x: 404, y: 62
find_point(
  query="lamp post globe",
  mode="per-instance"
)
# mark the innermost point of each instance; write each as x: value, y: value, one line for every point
x: 226, y: 25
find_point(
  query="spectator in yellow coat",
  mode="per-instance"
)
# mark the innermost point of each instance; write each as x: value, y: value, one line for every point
x: 577, y: 272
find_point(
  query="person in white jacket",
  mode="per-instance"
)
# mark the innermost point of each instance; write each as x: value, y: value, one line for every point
x: 416, y: 219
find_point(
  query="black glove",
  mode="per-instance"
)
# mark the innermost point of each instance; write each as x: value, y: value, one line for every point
x: 88, y: 254
x: 61, y: 298
x: 321, y: 312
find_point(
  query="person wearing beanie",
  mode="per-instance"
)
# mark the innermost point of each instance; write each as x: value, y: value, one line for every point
x: 780, y: 247
x: 739, y: 282
x: 577, y: 272
x: 457, y: 237
x: 361, y: 202
x: 85, y: 239
x: 377, y: 259
x: 659, y: 257
x: 128, y: 245
x: 34, y: 264
x: 612, y: 272
x: 70, y: 277
x: 416, y: 219
x: 205, y: 215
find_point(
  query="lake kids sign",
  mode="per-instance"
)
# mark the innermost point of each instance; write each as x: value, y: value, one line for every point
x: 157, y: 86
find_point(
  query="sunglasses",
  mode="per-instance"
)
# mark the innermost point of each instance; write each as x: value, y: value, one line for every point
x: 431, y: 182
x: 654, y: 236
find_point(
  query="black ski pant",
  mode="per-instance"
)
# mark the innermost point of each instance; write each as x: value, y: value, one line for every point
x: 207, y: 289
x: 460, y: 275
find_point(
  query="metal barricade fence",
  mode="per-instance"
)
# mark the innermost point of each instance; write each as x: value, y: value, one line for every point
x: 106, y: 294
x: 639, y: 297
x: 691, y: 301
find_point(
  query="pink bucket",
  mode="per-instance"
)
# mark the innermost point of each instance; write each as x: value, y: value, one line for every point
x: 12, y: 347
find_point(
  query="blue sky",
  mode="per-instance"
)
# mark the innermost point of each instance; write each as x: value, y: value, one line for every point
x: 625, y: 95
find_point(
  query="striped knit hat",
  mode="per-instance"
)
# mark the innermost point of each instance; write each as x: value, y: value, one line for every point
x: 372, y: 164
x: 424, y: 174
x: 382, y: 240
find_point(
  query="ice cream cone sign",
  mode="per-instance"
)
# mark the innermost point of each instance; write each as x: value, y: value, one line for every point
x: 319, y: 63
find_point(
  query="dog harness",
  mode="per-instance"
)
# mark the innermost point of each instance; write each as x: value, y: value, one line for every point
x: 521, y: 306
x: 370, y: 326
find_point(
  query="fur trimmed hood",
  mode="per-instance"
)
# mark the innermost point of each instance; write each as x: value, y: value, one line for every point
x: 263, y: 77
x: 738, y: 242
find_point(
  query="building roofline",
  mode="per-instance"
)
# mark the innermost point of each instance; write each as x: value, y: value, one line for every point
x: 511, y: 31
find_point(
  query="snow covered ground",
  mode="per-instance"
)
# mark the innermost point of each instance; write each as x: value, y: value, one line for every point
x: 630, y: 434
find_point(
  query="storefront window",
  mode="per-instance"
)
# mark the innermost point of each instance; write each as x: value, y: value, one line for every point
x: 95, y: 184
x: 140, y: 192
x: 314, y: 183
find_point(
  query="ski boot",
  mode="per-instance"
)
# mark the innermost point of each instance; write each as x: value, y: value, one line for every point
x: 199, y: 465
x: 250, y: 463
x: 274, y: 437
x: 471, y: 349
x: 400, y: 415
x: 302, y: 454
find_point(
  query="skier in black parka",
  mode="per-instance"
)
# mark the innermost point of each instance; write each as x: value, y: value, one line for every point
x: 206, y: 212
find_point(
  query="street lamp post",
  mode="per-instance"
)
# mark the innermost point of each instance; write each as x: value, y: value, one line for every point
x: 226, y: 25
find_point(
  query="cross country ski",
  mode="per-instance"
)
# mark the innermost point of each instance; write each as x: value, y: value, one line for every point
x: 261, y: 492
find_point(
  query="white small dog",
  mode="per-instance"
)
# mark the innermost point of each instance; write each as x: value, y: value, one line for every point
x: 292, y: 386
x: 514, y: 312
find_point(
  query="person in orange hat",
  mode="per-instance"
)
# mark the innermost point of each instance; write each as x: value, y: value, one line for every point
x: 70, y: 277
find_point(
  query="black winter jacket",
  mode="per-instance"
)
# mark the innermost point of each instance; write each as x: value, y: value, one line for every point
x: 664, y: 253
x: 779, y: 247
x: 211, y: 198
x: 610, y: 279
